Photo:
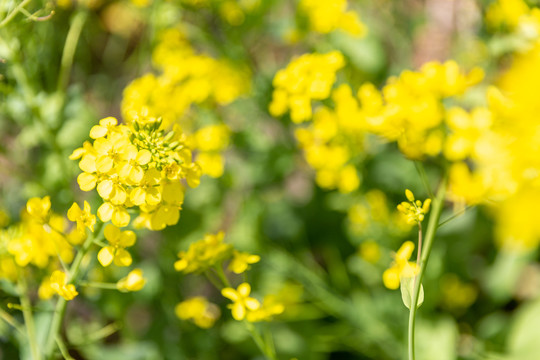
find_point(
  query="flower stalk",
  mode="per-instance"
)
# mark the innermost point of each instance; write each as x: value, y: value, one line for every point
x: 430, y: 236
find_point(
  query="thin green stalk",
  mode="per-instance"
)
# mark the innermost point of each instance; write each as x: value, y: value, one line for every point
x: 99, y: 285
x: 420, y: 169
x: 72, y: 276
x: 12, y: 14
x: 261, y: 344
x: 70, y: 46
x: 222, y: 276
x: 26, y: 308
x: 428, y: 243
x: 11, y: 321
x: 63, y: 349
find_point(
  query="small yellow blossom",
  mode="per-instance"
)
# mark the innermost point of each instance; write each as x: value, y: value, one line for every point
x: 39, y: 208
x: 58, y: 282
x: 401, y: 267
x: 203, y: 254
x: 241, y: 261
x: 414, y: 210
x: 327, y: 16
x: 84, y: 217
x: 269, y: 308
x: 370, y: 251
x: 199, y: 310
x: 118, y: 241
x: 242, y: 303
x: 134, y: 281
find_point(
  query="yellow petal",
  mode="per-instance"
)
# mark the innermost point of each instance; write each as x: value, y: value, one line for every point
x: 122, y: 258
x: 74, y: 212
x: 230, y: 294
x: 105, y: 189
x: 112, y: 233
x: 105, y: 211
x: 143, y: 157
x: 98, y: 131
x: 391, y: 278
x: 127, y: 238
x: 106, y: 256
x: 252, y: 304
x: 238, y: 311
x: 137, y: 196
x: 120, y: 217
x: 244, y: 289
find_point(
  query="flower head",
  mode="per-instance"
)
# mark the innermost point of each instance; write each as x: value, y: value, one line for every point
x: 134, y: 281
x: 84, y: 217
x: 242, y: 303
x: 401, y: 267
x: 58, y: 282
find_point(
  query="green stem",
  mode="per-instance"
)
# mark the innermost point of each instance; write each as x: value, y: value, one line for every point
x: 420, y: 169
x: 12, y: 14
x: 11, y: 321
x: 428, y: 243
x: 70, y: 46
x: 60, y: 309
x: 99, y: 285
x: 63, y: 349
x: 261, y: 344
x: 26, y: 308
x: 221, y: 274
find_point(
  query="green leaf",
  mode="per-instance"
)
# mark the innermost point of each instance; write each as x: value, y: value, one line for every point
x: 407, y: 289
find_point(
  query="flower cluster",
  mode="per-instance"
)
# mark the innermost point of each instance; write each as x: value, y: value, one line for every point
x: 209, y: 254
x: 514, y: 16
x: 204, y: 254
x: 503, y: 165
x: 186, y: 78
x: 37, y: 240
x: 309, y: 77
x: 332, y: 142
x: 199, y: 310
x: 43, y: 240
x: 414, y: 210
x: 137, y: 165
x: 327, y: 16
x: 249, y: 308
x: 410, y: 108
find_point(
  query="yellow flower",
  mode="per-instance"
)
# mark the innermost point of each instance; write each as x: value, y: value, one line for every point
x: 105, y: 127
x: 84, y: 217
x: 39, y: 208
x: 242, y: 303
x: 269, y: 308
x: 414, y: 210
x: 369, y: 251
x: 119, y: 240
x: 203, y: 254
x: 58, y: 282
x: 118, y: 214
x: 401, y: 267
x: 198, y: 309
x: 241, y: 261
x: 327, y: 16
x: 134, y: 281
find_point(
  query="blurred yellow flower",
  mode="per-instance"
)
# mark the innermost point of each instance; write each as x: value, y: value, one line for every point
x: 401, y: 267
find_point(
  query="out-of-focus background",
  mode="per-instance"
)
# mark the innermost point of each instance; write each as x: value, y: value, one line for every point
x: 66, y: 64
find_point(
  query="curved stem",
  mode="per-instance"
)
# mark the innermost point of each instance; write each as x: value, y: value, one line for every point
x: 70, y: 46
x: 430, y: 236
